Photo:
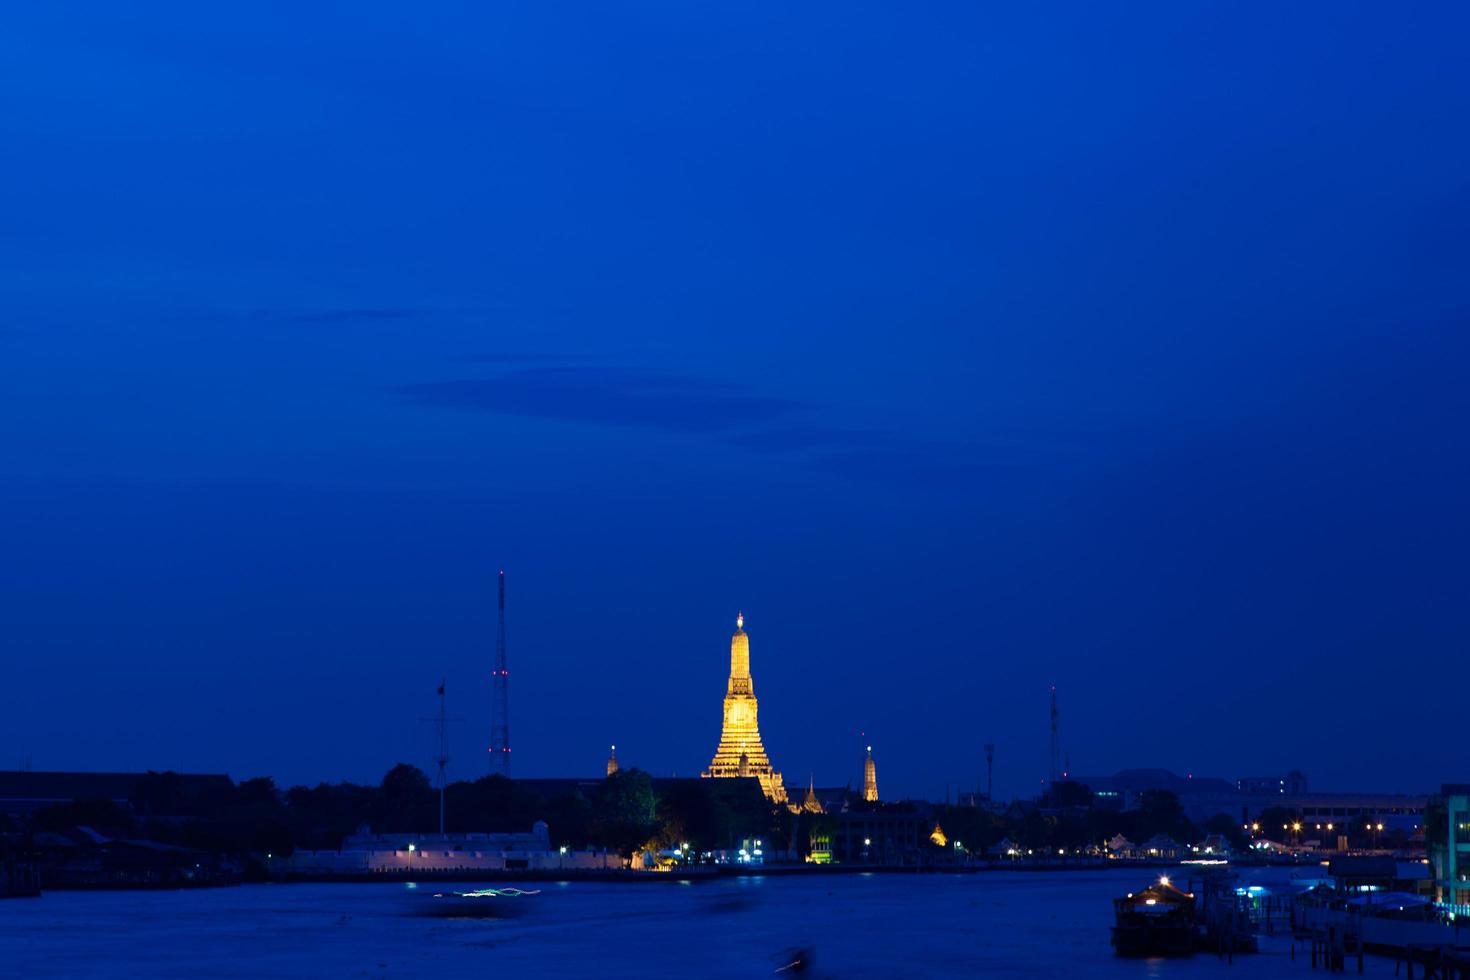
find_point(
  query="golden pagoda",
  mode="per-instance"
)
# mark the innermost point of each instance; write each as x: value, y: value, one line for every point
x: 811, y: 804
x: 870, y: 779
x: 740, y: 752
x: 612, y: 761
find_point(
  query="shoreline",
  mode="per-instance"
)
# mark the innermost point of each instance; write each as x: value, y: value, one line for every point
x: 696, y: 874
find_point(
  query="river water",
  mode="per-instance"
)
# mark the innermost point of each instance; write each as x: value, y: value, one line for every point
x: 990, y: 924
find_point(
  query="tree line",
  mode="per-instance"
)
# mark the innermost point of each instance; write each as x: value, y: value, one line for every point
x: 623, y: 812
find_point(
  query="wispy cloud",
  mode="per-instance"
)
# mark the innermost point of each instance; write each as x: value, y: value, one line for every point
x: 731, y: 413
x: 527, y: 358
x: 365, y: 314
x: 379, y: 313
x: 346, y: 316
x: 609, y: 396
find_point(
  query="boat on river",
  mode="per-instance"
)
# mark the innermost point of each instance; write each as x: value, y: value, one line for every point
x: 1158, y: 921
x: 479, y: 903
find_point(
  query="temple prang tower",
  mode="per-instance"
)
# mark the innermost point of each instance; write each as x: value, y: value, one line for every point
x: 870, y: 778
x: 740, y: 752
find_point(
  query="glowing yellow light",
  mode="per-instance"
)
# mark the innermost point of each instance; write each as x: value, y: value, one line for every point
x: 740, y: 621
x: 1163, y: 879
x: 1150, y: 901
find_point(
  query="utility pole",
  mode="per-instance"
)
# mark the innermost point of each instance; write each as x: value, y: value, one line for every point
x: 500, y: 697
x: 443, y: 758
x: 1056, y: 745
x: 989, y: 771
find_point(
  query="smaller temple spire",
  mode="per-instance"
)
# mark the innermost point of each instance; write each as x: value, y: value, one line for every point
x: 612, y: 760
x: 811, y: 804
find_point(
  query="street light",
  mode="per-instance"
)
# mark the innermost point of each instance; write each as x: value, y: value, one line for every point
x: 411, y: 849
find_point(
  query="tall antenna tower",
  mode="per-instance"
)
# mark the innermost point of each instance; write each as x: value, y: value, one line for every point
x: 500, y: 698
x: 442, y: 759
x: 1056, y: 745
x: 989, y: 771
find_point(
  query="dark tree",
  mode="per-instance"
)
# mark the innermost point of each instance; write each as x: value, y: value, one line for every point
x: 494, y: 804
x: 1228, y: 827
x: 624, y: 813
x: 407, y: 802
x: 1068, y: 793
x: 1159, y: 812
x: 321, y: 816
x: 569, y: 818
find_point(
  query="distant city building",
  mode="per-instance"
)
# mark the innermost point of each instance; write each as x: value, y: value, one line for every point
x: 740, y: 752
x: 1325, y: 815
x: 892, y: 834
x: 1293, y: 783
x: 1201, y: 797
x: 1332, y: 815
x: 1448, y: 846
x: 870, y: 778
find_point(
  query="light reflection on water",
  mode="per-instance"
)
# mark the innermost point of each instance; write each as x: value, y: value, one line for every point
x: 1000, y: 923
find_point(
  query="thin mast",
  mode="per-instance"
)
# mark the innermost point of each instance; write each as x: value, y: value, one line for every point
x: 443, y: 759
x: 500, y: 696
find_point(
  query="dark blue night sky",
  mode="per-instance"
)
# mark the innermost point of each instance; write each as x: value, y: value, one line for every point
x: 967, y: 348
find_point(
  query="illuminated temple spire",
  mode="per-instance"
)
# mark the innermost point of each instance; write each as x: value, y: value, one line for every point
x: 612, y: 760
x: 870, y: 778
x: 740, y: 752
x: 811, y: 804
